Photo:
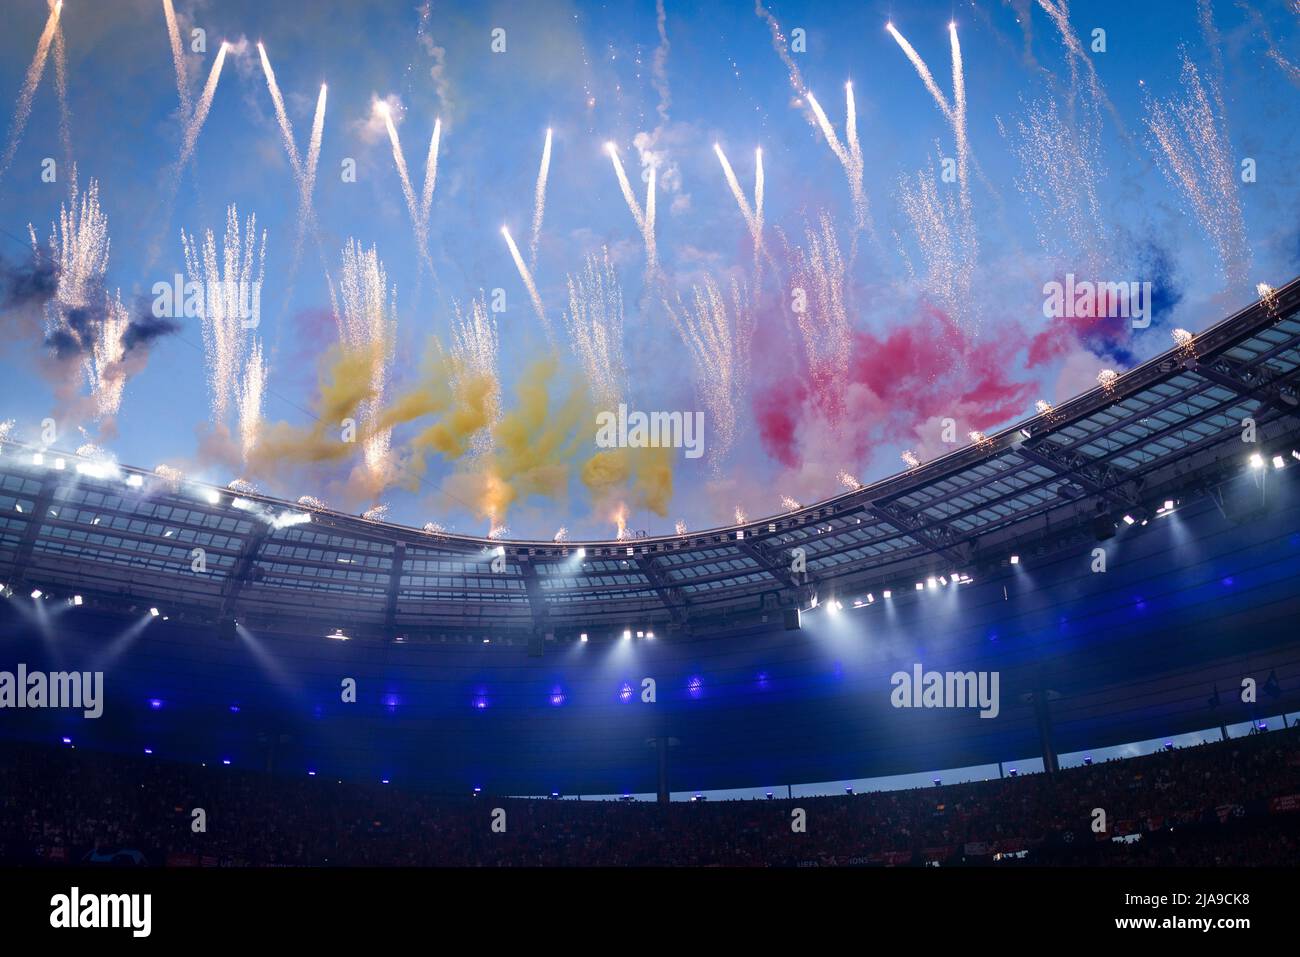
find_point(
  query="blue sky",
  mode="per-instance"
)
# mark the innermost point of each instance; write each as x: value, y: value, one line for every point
x: 589, y: 72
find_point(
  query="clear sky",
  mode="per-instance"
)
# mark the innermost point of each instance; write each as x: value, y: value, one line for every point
x: 926, y: 295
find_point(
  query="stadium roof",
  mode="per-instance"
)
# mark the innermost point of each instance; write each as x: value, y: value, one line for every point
x: 1171, y: 425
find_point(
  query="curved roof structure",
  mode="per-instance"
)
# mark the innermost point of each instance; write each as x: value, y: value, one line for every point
x: 1165, y: 428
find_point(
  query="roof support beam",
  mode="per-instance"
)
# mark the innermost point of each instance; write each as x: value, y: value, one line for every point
x: 673, y: 601
x: 1106, y: 481
x: 1277, y: 391
x: 935, y: 537
x: 394, y: 583
x: 244, y: 565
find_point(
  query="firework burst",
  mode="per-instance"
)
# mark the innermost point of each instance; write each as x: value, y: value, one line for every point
x: 231, y: 282
x: 365, y: 309
x: 33, y: 78
x: 594, y: 323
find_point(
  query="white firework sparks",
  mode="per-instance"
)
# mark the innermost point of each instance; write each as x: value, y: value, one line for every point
x: 740, y: 516
x: 718, y: 339
x: 594, y: 323
x: 1195, y: 154
x: 365, y: 308
x: 850, y: 482
x: 311, y: 501
x: 948, y: 248
x: 34, y: 72
x: 251, y: 388
x: 849, y: 153
x: 1107, y: 378
x: 819, y: 271
x: 526, y: 275
x: 474, y: 350
x: 561, y: 534
x: 539, y: 201
x: 376, y: 513
x: 680, y: 527
x: 231, y: 282
x: 753, y: 214
x: 789, y: 504
x: 910, y: 459
x: 200, y: 115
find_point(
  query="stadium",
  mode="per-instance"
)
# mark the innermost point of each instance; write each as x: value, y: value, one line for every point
x: 660, y: 468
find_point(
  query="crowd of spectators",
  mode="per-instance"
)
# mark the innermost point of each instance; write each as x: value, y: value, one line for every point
x: 1232, y: 802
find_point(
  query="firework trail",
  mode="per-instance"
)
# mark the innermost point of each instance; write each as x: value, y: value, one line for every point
x: 1059, y: 13
x: 850, y: 482
x: 782, y: 48
x: 595, y: 326
x: 178, y: 60
x: 531, y: 286
x: 365, y: 308
x: 753, y: 214
x: 849, y: 155
x: 1061, y: 169
x: 620, y: 524
x: 948, y: 249
x: 626, y: 187
x: 61, y: 88
x: 231, y: 306
x: 34, y: 72
x: 955, y: 111
x: 823, y: 322
x: 1290, y: 69
x: 200, y: 116
x: 539, y: 201
x: 474, y: 351
x: 1194, y: 154
x: 718, y: 341
x: 251, y: 391
x: 645, y: 221
x: 304, y: 173
x: 79, y: 248
x: 282, y: 117
x: 740, y: 516
x: 789, y: 504
x: 416, y: 208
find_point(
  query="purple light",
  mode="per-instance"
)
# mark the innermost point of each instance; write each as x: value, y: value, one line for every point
x: 155, y: 703
x: 557, y: 696
x: 383, y: 780
x: 225, y: 761
x: 391, y: 701
x: 480, y: 703
x: 234, y: 709
x: 625, y: 693
x: 763, y: 681
x: 311, y: 774
x: 695, y: 686
x: 1227, y: 582
x: 148, y: 750
x: 67, y: 740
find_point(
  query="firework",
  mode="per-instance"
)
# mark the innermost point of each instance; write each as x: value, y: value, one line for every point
x: 1061, y: 169
x: 1107, y: 378
x: 311, y: 501
x: 718, y: 340
x: 789, y: 504
x: 850, y: 482
x: 645, y: 221
x: 6, y: 429
x: 433, y: 528
x: 1195, y: 155
x: 680, y: 527
x: 200, y: 116
x: 172, y: 476
x: 819, y: 271
x: 365, y: 308
x: 79, y: 247
x: 497, y: 530
x: 242, y: 486
x: 282, y: 117
x: 753, y: 214
x: 474, y: 349
x: 1267, y: 295
x: 910, y: 459
x: 594, y: 323
x: 1185, y: 342
x: 376, y: 513
x: 740, y: 516
x: 849, y: 154
x: 231, y: 307
x: 531, y: 286
x: 620, y: 523
x: 251, y: 388
x: 178, y: 60
x: 561, y: 535
x: 418, y: 209
x: 980, y: 440
x: 34, y: 72
x: 947, y: 244
x: 539, y: 201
